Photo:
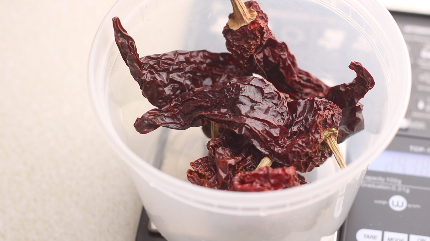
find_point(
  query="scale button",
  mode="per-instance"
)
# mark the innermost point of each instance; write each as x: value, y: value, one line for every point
x: 391, y: 236
x: 397, y: 203
x: 368, y: 235
x: 418, y: 238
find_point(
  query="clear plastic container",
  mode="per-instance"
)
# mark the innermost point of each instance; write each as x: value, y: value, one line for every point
x: 325, y: 36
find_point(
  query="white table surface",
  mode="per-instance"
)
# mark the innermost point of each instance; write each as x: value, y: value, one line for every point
x: 59, y: 179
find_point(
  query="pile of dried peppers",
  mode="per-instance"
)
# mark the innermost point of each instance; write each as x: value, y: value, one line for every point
x: 263, y: 130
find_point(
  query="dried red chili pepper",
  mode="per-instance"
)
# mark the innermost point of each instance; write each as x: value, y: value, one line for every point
x: 289, y: 132
x: 267, y: 178
x: 256, y: 48
x: 224, y: 161
x: 346, y: 96
x: 162, y: 77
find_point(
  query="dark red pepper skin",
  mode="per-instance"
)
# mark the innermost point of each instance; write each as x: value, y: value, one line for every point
x: 162, y: 77
x: 288, y: 131
x: 310, y: 117
x: 203, y: 173
x: 352, y: 122
x: 231, y: 165
x: 346, y: 96
x: 224, y: 161
x: 256, y: 48
x: 266, y: 179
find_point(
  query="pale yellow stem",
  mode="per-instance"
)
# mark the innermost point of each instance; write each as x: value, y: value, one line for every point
x: 330, y: 138
x: 214, y: 130
x: 265, y: 162
x: 241, y: 15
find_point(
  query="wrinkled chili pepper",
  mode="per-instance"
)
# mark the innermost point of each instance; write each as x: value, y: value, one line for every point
x: 267, y: 178
x: 162, y: 77
x: 346, y: 96
x: 225, y: 160
x: 256, y: 48
x: 288, y: 131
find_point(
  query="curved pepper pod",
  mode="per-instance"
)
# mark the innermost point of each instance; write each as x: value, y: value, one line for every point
x: 162, y: 77
x: 255, y: 46
x: 289, y: 132
x: 346, y: 96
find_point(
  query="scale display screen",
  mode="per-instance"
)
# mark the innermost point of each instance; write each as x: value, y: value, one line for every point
x: 393, y: 203
x: 402, y: 163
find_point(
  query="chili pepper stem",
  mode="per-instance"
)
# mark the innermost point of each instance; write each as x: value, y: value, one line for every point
x: 214, y: 130
x: 265, y: 162
x: 241, y: 15
x: 330, y: 138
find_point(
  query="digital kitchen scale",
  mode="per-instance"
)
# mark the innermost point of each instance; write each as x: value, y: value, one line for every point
x: 146, y: 231
x: 393, y: 203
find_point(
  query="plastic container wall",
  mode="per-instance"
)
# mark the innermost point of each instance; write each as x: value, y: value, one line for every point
x: 325, y: 36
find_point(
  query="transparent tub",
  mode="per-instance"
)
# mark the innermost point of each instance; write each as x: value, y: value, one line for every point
x: 325, y: 36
